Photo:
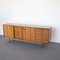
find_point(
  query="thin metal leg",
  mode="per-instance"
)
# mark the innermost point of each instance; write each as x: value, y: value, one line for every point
x: 9, y: 40
x: 42, y: 45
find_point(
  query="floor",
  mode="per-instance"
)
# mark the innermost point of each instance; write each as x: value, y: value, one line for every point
x: 26, y: 51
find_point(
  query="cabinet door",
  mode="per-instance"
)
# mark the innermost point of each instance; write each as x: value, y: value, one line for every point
x: 28, y: 34
x: 5, y: 30
x: 45, y: 35
x: 21, y: 33
x: 33, y: 34
x: 18, y: 32
x: 24, y: 33
x: 8, y: 31
x: 38, y: 35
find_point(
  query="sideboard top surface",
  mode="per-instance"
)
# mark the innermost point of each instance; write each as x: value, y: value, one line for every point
x: 28, y: 25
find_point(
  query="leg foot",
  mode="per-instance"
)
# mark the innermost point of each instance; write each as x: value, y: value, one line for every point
x: 42, y: 45
x: 9, y: 40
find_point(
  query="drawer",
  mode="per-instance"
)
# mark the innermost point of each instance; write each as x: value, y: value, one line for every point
x: 24, y: 28
x: 38, y: 31
x: 38, y: 38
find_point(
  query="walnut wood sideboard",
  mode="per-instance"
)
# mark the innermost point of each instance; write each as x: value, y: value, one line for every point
x: 27, y: 33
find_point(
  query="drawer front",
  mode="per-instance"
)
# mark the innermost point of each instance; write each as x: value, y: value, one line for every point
x: 38, y: 30
x: 33, y: 34
x: 45, y: 35
x: 16, y: 32
x: 24, y: 33
x: 10, y: 32
x: 38, y: 35
x: 21, y: 33
x: 28, y: 34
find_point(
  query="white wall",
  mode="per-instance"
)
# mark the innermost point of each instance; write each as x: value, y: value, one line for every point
x: 42, y: 12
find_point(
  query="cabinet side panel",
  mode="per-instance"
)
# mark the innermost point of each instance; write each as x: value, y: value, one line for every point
x: 8, y: 31
x: 5, y: 31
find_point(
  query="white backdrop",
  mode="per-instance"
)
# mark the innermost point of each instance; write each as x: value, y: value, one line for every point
x: 40, y: 12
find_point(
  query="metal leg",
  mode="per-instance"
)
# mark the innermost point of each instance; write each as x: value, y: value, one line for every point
x: 9, y: 40
x: 42, y: 45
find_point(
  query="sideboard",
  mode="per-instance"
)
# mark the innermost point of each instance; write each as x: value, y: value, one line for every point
x: 27, y: 33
